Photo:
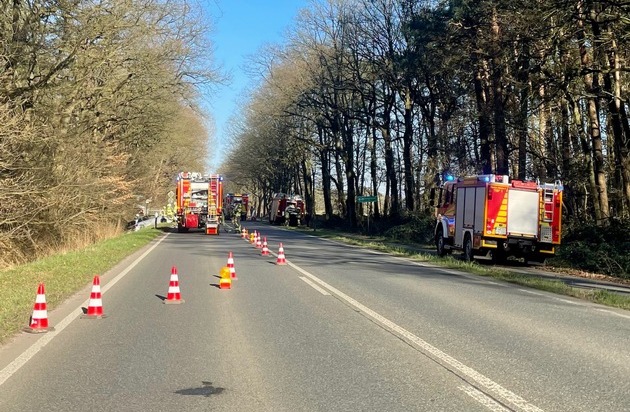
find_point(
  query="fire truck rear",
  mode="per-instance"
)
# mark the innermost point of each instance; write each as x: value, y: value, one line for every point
x: 231, y: 200
x: 493, y: 217
x: 199, y: 202
x: 289, y: 209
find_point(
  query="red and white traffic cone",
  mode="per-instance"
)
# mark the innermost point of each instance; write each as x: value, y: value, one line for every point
x: 243, y: 233
x: 95, y: 307
x: 230, y: 265
x: 174, y: 295
x: 265, y: 249
x: 281, y: 258
x: 39, y: 319
x: 258, y: 242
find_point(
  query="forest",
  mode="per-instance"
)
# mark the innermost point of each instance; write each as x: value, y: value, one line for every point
x: 381, y: 96
x: 99, y: 110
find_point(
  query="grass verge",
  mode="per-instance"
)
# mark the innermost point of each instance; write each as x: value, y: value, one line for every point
x: 421, y: 253
x: 63, y: 275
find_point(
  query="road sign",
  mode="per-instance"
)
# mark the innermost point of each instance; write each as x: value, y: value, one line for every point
x: 366, y: 199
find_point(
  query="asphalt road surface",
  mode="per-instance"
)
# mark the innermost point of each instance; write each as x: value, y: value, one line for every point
x: 336, y: 329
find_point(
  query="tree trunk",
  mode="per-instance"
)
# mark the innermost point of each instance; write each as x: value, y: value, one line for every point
x: 407, y: 153
x: 620, y: 128
x: 485, y: 127
x: 592, y: 89
x: 522, y: 119
x: 500, y: 135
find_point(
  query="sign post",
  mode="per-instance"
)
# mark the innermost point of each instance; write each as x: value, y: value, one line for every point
x: 370, y: 200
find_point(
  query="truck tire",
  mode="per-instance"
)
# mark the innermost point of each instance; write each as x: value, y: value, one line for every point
x: 439, y: 243
x: 468, y: 250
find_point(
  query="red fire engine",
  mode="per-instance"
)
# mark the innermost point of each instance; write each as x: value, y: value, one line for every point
x: 231, y: 200
x: 199, y: 202
x: 289, y: 209
x: 493, y: 217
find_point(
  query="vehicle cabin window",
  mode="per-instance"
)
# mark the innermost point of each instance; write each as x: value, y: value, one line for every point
x: 448, y: 195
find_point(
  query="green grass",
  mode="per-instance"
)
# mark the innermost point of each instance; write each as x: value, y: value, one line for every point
x: 421, y: 253
x: 62, y: 274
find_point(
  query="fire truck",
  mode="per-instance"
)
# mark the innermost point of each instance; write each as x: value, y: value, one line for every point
x: 494, y: 217
x: 231, y: 200
x: 287, y: 209
x: 199, y: 202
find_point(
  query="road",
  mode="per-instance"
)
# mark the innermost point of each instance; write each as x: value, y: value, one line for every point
x: 337, y: 329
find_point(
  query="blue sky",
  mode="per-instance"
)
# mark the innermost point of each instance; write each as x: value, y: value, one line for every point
x: 241, y: 28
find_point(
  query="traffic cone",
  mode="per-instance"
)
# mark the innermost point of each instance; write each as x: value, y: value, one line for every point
x: 281, y: 259
x: 243, y: 233
x: 39, y: 319
x: 265, y: 249
x: 226, y: 278
x: 258, y: 242
x: 174, y: 295
x: 252, y: 237
x: 230, y: 265
x: 95, y: 307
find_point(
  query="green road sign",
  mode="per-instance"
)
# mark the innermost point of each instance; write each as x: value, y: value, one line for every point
x: 366, y: 199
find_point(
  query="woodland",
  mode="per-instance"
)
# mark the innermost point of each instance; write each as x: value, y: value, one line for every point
x: 380, y: 97
x: 98, y: 109
x: 98, y: 112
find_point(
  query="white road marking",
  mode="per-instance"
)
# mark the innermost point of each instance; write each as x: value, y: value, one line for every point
x: 614, y: 313
x: 569, y: 301
x: 21, y: 360
x: 465, y: 372
x: 314, y: 286
x: 531, y: 292
x: 483, y: 399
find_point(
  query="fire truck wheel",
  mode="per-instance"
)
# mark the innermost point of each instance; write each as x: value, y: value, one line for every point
x: 468, y: 250
x: 439, y: 244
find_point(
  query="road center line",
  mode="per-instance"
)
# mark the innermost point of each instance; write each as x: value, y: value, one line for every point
x: 465, y: 372
x: 483, y: 399
x: 25, y: 356
x: 314, y: 286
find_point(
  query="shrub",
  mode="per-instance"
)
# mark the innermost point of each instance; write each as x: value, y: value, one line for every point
x: 601, y: 249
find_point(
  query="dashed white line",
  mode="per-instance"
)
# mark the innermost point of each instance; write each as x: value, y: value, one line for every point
x: 483, y: 399
x: 314, y: 286
x: 21, y: 360
x: 465, y: 372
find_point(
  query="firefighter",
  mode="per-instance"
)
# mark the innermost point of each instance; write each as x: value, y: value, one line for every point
x: 236, y: 217
x: 291, y: 209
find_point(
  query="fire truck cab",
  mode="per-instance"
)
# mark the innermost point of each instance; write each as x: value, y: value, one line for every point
x: 493, y: 217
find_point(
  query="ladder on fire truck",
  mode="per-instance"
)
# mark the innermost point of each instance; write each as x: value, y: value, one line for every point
x: 212, y: 204
x: 548, y: 191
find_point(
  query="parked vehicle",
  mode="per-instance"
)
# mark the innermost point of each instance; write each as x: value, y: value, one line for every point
x: 494, y: 217
x: 287, y: 209
x: 199, y: 204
